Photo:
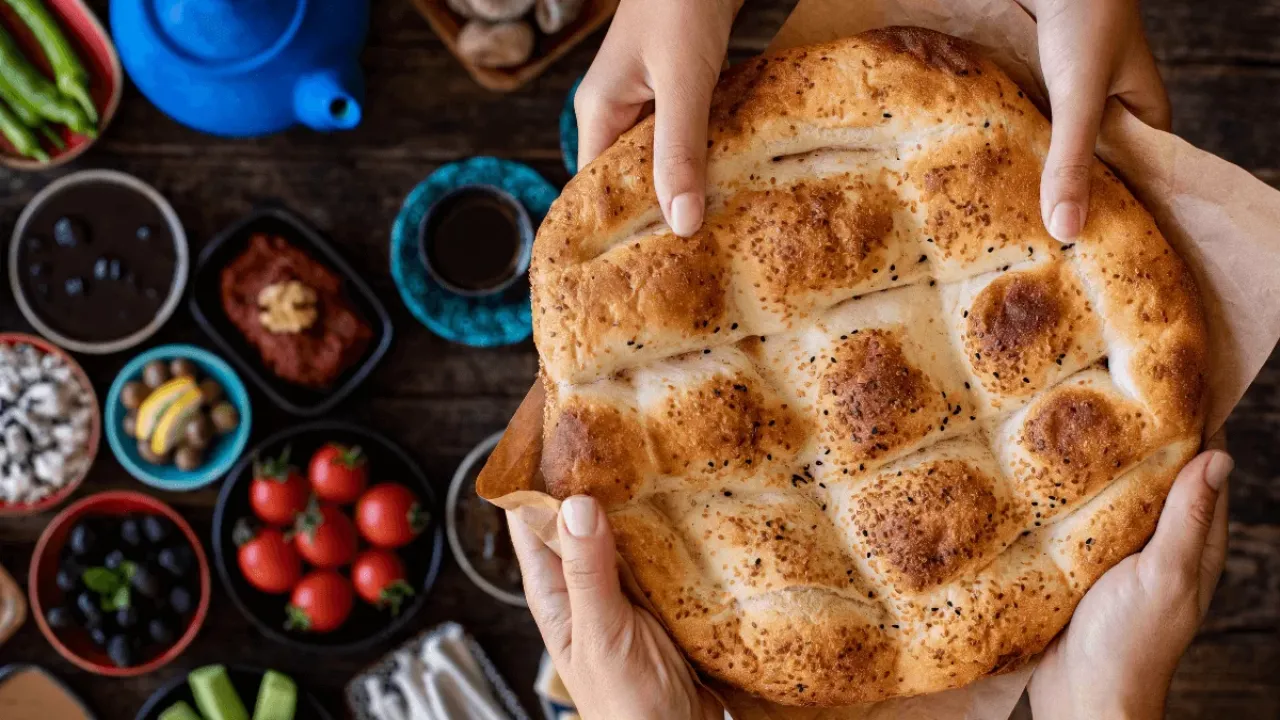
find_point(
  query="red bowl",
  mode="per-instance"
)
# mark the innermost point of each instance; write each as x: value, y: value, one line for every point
x: 95, y: 429
x: 43, y: 591
x: 97, y: 54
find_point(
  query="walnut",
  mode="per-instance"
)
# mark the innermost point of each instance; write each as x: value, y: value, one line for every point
x: 554, y: 15
x: 500, y: 45
x: 287, y: 307
x: 491, y: 10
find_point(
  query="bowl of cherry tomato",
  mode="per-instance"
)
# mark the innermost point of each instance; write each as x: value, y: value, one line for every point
x: 328, y: 536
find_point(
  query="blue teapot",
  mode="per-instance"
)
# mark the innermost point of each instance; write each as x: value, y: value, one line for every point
x: 246, y: 67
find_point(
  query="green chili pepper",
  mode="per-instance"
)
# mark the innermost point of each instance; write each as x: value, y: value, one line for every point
x: 37, y: 91
x: 27, y: 114
x: 20, y: 135
x: 72, y: 79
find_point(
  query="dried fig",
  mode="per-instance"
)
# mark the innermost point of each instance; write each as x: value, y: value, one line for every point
x: 554, y: 15
x: 491, y: 10
x: 500, y: 45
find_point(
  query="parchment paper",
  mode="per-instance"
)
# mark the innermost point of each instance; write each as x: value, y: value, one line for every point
x: 1224, y: 222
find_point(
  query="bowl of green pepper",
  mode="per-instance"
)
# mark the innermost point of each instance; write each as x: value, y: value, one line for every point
x: 60, y: 81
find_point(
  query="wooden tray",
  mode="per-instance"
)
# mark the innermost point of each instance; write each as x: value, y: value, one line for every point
x: 547, y: 48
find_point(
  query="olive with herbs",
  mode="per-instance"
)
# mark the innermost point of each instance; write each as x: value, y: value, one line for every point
x: 225, y: 418
x: 199, y: 432
x: 131, y: 425
x: 210, y: 392
x: 182, y: 367
x: 132, y: 394
x: 188, y: 458
x: 155, y: 374
x: 144, y: 449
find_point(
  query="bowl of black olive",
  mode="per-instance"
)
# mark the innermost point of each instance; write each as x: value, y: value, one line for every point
x: 119, y: 584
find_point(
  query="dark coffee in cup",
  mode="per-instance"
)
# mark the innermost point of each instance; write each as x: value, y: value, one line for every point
x: 476, y: 240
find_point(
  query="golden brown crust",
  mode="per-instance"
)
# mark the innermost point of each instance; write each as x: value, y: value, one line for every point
x: 870, y: 432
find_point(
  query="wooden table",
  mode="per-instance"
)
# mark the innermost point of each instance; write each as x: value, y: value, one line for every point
x: 1222, y: 63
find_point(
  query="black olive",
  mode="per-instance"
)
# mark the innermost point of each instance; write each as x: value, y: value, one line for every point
x: 82, y: 539
x: 98, y: 636
x: 143, y: 233
x: 74, y: 286
x: 115, y: 269
x: 100, y: 267
x: 120, y: 650
x: 127, y: 617
x: 60, y: 617
x: 160, y: 632
x: 131, y: 532
x: 38, y: 269
x: 67, y: 579
x: 145, y: 581
x: 155, y: 528
x: 177, y: 560
x: 87, y: 603
x: 180, y: 600
x: 68, y: 233
x: 114, y: 559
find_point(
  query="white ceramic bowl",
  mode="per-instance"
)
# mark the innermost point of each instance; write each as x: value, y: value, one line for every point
x: 460, y: 477
x: 180, y: 265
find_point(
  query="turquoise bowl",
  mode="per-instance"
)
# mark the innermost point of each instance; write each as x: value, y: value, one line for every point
x: 221, y: 455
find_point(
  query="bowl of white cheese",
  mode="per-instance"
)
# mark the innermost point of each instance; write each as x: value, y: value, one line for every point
x: 50, y: 425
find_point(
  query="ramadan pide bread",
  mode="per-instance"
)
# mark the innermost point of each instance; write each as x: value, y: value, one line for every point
x: 871, y: 432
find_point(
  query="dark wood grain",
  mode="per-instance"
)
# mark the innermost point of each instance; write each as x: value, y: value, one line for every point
x: 1222, y: 64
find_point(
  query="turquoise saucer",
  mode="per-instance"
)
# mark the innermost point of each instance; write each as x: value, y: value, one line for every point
x: 489, y: 321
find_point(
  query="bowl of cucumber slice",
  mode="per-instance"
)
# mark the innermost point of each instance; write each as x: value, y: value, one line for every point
x: 235, y: 692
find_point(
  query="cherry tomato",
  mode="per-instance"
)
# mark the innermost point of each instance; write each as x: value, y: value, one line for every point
x: 390, y: 516
x: 338, y: 473
x: 278, y: 491
x: 267, y: 559
x: 320, y: 603
x: 379, y: 579
x: 325, y: 536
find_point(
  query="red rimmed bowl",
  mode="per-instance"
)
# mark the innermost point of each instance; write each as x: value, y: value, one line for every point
x: 92, y: 44
x: 43, y: 591
x: 95, y: 430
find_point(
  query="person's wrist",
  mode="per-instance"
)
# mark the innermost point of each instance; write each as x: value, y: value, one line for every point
x: 1113, y: 696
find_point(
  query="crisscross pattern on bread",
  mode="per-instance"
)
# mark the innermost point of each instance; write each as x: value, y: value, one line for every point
x: 871, y: 432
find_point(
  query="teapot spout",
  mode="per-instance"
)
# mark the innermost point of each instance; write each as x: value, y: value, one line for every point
x: 325, y: 101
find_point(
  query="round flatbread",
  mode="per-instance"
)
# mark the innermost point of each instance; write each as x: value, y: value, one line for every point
x: 871, y: 432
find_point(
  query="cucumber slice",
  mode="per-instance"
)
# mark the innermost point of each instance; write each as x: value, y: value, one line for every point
x: 277, y: 697
x: 179, y: 711
x: 215, y: 696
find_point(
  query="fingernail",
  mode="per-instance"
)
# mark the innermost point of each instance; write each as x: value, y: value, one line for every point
x: 686, y: 214
x: 1066, y: 221
x: 1219, y: 467
x: 579, y: 513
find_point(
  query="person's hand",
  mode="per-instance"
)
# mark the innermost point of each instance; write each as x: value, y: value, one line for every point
x: 1090, y: 50
x: 615, y: 659
x: 1117, y: 656
x: 668, y: 53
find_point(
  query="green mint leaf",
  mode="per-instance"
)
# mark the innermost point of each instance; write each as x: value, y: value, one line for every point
x: 127, y: 570
x: 101, y: 580
x: 121, y: 598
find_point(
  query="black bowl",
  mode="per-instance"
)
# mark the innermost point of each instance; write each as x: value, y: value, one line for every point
x: 206, y: 306
x: 245, y: 679
x: 367, y: 627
